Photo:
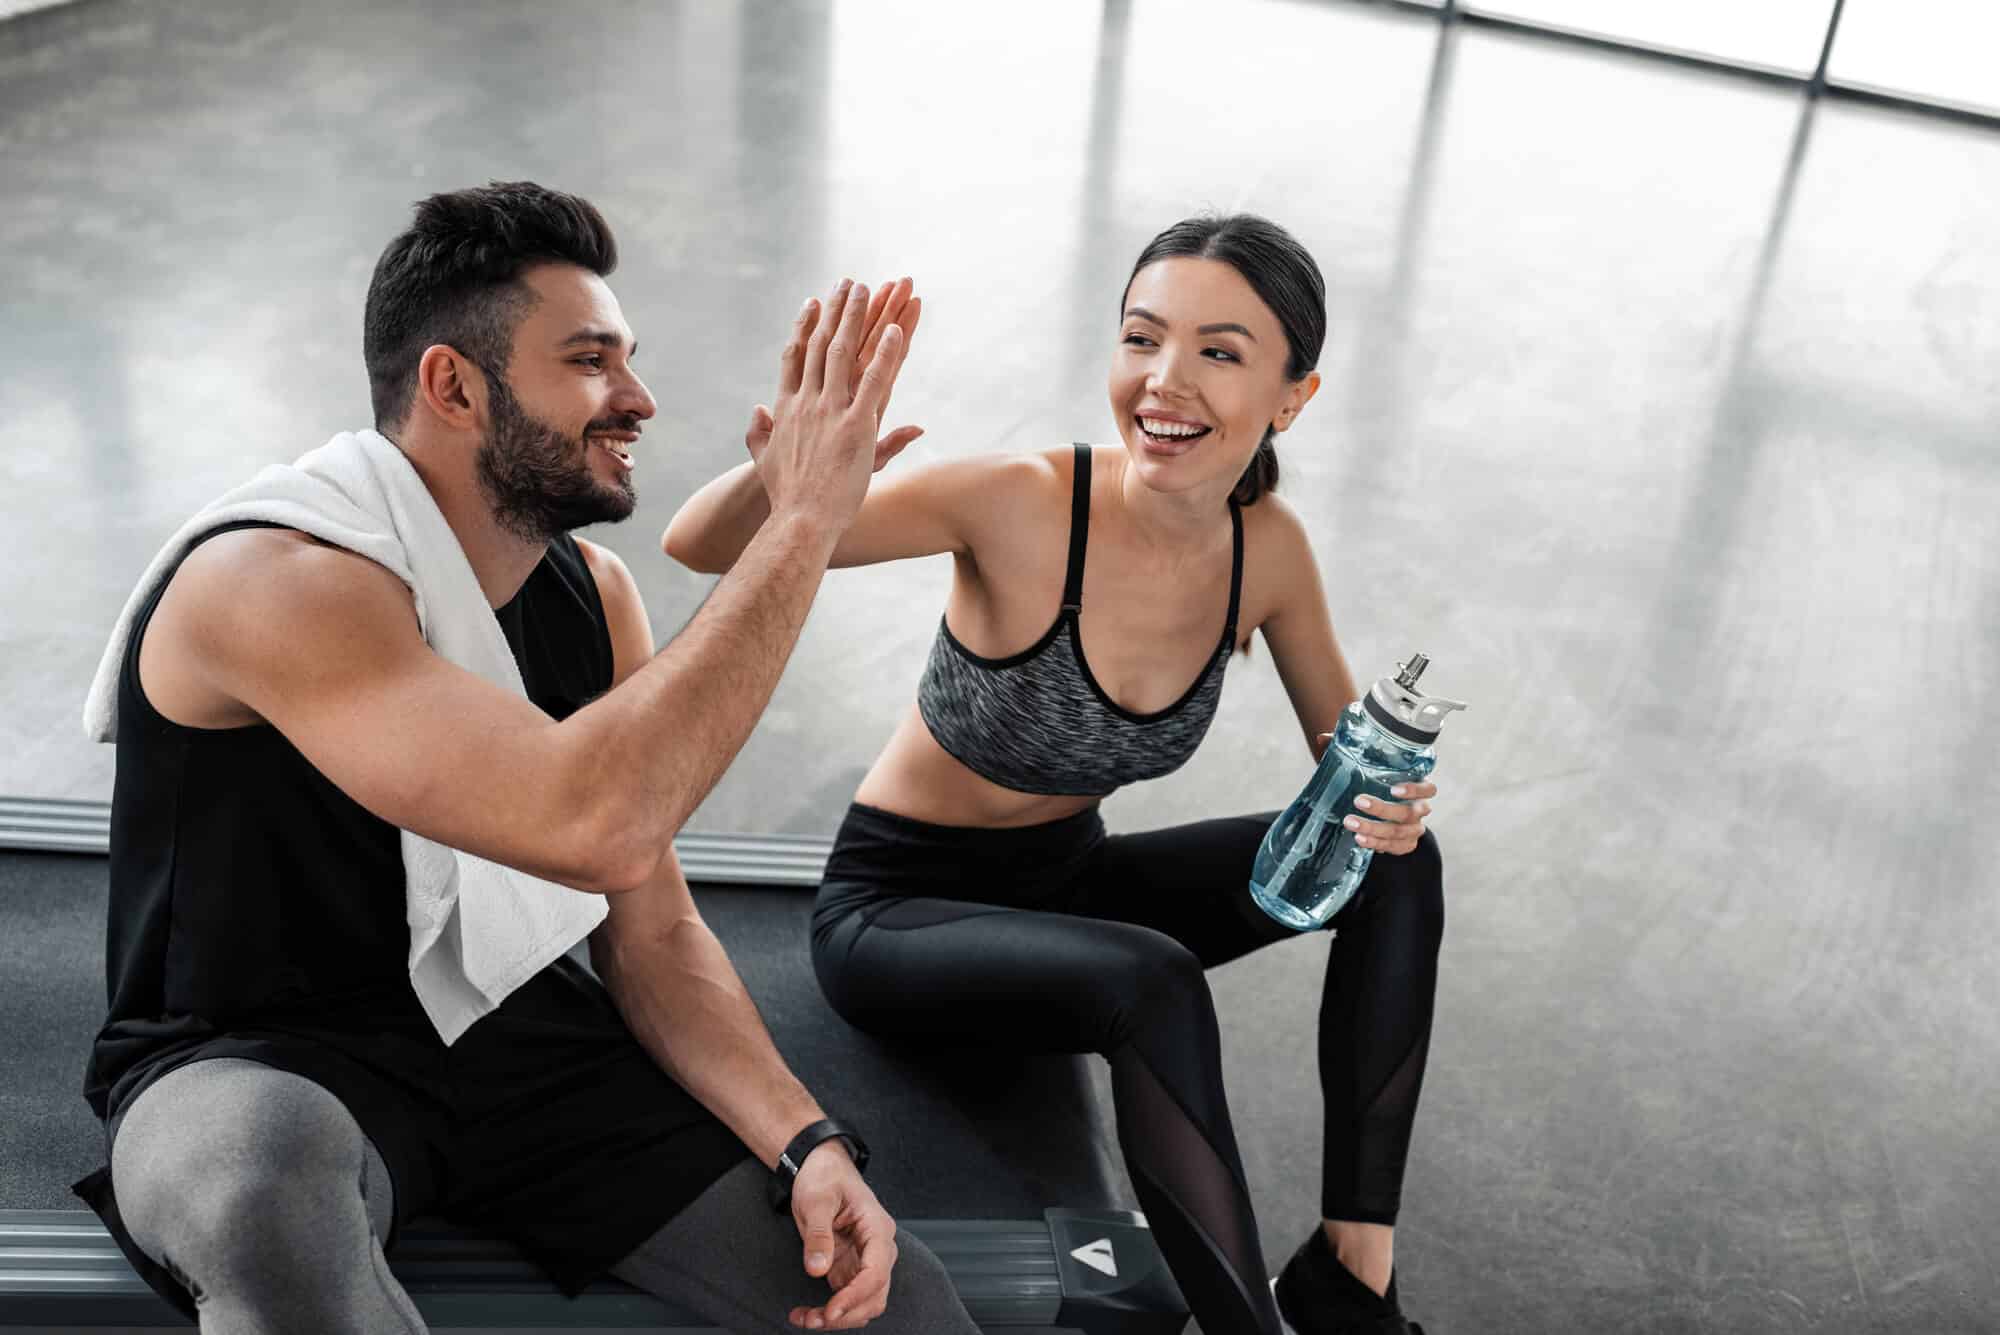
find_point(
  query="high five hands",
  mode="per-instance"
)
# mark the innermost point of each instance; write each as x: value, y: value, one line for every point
x: 851, y: 312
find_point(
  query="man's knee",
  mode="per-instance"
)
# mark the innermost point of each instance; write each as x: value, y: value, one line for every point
x: 226, y: 1172
x: 921, y: 1294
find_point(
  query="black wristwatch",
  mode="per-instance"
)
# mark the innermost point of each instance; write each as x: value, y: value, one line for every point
x: 805, y: 1143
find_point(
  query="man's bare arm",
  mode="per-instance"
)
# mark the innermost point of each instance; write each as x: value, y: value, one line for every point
x: 324, y: 645
x: 684, y: 1001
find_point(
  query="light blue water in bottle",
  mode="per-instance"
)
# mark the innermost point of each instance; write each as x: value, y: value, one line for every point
x: 1310, y: 864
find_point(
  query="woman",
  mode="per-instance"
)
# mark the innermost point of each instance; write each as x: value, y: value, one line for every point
x: 973, y: 894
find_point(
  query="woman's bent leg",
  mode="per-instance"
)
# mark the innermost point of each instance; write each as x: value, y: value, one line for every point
x: 1056, y: 982
x: 1376, y: 1002
x: 1375, y: 1031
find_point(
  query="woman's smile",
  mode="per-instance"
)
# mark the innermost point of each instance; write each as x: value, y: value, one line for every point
x: 1167, y: 435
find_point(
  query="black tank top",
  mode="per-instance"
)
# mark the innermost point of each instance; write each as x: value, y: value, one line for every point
x: 247, y: 890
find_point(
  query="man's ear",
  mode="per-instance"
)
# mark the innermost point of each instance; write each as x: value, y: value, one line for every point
x: 451, y: 388
x: 1296, y: 398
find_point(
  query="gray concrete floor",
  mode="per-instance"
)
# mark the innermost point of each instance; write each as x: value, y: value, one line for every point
x: 1660, y: 411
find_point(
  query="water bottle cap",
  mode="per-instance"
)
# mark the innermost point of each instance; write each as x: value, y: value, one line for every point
x: 1401, y: 710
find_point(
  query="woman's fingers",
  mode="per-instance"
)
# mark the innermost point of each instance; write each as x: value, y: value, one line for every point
x: 894, y: 444
x: 883, y: 308
x: 1392, y: 826
x: 1413, y: 791
x: 1395, y: 812
x: 758, y: 434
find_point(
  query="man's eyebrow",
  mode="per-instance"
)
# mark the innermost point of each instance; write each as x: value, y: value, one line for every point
x: 1225, y: 327
x: 603, y: 338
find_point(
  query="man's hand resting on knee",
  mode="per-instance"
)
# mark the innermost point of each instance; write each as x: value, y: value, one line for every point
x: 850, y: 1240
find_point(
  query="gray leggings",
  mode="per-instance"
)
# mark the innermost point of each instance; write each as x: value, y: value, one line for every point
x: 259, y: 1191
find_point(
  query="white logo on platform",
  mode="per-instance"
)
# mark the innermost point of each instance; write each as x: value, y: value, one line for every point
x: 1098, y: 1256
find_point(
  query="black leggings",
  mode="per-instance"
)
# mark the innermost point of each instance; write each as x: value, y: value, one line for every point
x: 1059, y: 938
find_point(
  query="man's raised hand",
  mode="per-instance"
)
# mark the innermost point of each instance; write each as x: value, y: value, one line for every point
x: 891, y: 305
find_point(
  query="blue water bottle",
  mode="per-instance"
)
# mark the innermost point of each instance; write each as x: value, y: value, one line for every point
x: 1310, y: 865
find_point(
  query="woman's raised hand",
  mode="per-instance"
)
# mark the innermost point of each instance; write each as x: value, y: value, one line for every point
x: 892, y: 304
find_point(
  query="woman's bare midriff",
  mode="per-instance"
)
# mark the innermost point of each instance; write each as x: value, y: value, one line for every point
x: 916, y: 777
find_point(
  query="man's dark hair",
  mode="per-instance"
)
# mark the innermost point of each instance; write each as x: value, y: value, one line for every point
x: 1283, y: 274
x: 455, y: 278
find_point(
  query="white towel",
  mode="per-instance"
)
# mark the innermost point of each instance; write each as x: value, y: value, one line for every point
x: 478, y: 930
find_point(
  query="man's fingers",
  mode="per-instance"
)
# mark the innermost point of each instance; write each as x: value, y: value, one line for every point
x: 792, y: 361
x: 814, y: 1218
x: 759, y: 430
x: 866, y: 1295
x: 814, y: 374
x: 880, y: 376
x: 847, y: 335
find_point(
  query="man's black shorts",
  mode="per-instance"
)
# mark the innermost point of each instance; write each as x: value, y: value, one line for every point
x: 546, y: 1124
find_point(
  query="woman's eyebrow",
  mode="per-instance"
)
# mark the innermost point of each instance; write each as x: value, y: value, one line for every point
x: 1225, y: 327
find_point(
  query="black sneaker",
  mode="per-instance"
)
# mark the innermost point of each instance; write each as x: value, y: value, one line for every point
x: 1317, y: 1295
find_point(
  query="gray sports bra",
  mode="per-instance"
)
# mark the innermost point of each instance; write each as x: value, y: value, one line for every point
x: 1038, y: 722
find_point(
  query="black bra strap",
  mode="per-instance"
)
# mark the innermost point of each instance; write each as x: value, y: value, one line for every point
x: 1079, y: 534
x: 1235, y: 569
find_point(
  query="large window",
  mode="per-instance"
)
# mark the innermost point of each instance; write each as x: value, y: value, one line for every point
x: 1784, y: 35
x: 1932, y: 50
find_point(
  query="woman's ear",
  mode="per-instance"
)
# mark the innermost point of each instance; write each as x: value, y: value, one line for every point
x: 1296, y: 398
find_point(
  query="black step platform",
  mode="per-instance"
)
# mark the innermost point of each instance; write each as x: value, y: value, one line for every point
x: 999, y: 1161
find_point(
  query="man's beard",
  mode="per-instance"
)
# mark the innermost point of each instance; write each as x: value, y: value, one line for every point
x: 538, y: 479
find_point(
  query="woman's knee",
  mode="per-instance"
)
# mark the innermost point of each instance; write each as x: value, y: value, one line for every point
x: 1413, y: 898
x: 1156, y: 981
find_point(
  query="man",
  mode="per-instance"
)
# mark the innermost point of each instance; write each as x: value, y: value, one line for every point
x: 277, y: 1097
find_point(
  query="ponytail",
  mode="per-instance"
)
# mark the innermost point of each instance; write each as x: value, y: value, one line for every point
x: 1262, y: 474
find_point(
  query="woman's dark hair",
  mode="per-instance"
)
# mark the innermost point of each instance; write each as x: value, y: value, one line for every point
x: 454, y: 278
x: 1282, y: 274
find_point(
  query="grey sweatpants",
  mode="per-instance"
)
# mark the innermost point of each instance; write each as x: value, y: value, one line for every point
x: 259, y: 1190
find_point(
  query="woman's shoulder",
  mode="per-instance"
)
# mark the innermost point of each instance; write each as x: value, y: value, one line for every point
x: 1020, y: 477
x: 1280, y: 569
x: 1274, y: 526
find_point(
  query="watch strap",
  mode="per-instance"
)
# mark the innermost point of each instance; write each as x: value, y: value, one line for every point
x: 794, y: 1155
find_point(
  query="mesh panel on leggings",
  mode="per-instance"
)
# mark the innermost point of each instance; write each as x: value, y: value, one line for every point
x: 1375, y: 1030
x: 1195, y: 1201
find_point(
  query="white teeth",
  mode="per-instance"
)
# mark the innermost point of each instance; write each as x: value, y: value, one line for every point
x: 1156, y: 426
